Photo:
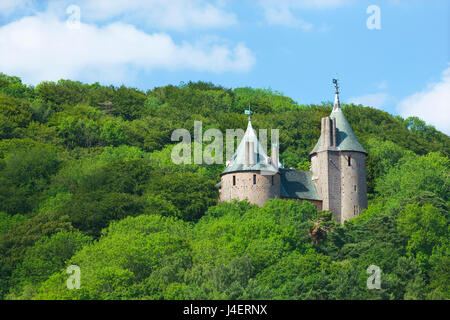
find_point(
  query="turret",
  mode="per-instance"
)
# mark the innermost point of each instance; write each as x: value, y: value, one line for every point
x: 338, y: 165
x: 250, y: 173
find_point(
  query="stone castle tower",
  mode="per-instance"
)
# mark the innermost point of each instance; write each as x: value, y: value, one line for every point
x: 338, y: 166
x: 336, y: 182
x: 250, y: 173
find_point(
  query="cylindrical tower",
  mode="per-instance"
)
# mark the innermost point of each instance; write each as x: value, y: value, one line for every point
x: 338, y: 165
x: 251, y: 185
x: 353, y: 184
x: 250, y: 173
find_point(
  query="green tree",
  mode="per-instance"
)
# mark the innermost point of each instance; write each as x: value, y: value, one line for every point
x: 135, y: 257
x: 47, y: 256
x: 24, y: 177
x: 21, y: 236
x: 13, y: 86
x: 78, y: 132
x: 14, y: 113
x: 112, y: 133
x: 426, y: 227
x: 190, y: 193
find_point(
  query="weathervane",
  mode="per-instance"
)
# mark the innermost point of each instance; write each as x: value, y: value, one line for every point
x: 337, y: 105
x: 249, y: 112
x: 335, y: 81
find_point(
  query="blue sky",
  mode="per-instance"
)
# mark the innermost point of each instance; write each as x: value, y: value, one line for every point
x: 292, y: 46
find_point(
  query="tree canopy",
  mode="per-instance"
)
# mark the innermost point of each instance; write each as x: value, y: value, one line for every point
x: 86, y: 179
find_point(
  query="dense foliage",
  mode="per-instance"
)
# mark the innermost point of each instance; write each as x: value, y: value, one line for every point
x: 86, y: 179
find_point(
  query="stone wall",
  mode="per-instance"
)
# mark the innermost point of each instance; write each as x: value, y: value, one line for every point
x: 325, y: 167
x: 353, y: 184
x: 244, y: 188
x: 341, y: 187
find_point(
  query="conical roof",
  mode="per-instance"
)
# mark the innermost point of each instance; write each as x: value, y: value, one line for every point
x: 262, y: 162
x: 345, y: 138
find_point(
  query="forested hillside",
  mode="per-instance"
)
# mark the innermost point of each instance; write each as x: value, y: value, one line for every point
x: 86, y: 179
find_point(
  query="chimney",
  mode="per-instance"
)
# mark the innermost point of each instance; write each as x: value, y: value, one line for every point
x: 328, y: 133
x: 251, y: 153
x: 333, y: 132
x: 246, y: 153
x: 325, y: 134
x: 275, y: 155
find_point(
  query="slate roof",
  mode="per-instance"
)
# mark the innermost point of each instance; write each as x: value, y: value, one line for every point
x: 345, y: 138
x: 297, y: 184
x: 237, y: 162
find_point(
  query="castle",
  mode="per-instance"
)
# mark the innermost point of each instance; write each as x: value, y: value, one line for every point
x: 336, y: 180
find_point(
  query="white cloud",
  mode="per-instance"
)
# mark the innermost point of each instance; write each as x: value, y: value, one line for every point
x: 308, y: 4
x: 382, y: 85
x: 7, y: 7
x: 44, y: 48
x: 376, y: 100
x: 165, y: 14
x: 284, y: 13
x: 431, y: 105
x: 177, y: 15
x: 283, y: 16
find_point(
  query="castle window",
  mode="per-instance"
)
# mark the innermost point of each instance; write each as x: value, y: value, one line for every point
x: 355, y: 187
x: 272, y: 180
x: 234, y: 180
x: 254, y: 179
x: 349, y: 161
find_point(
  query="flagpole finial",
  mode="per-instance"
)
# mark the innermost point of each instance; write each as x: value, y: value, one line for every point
x: 249, y: 112
x: 337, y: 105
x: 336, y: 84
